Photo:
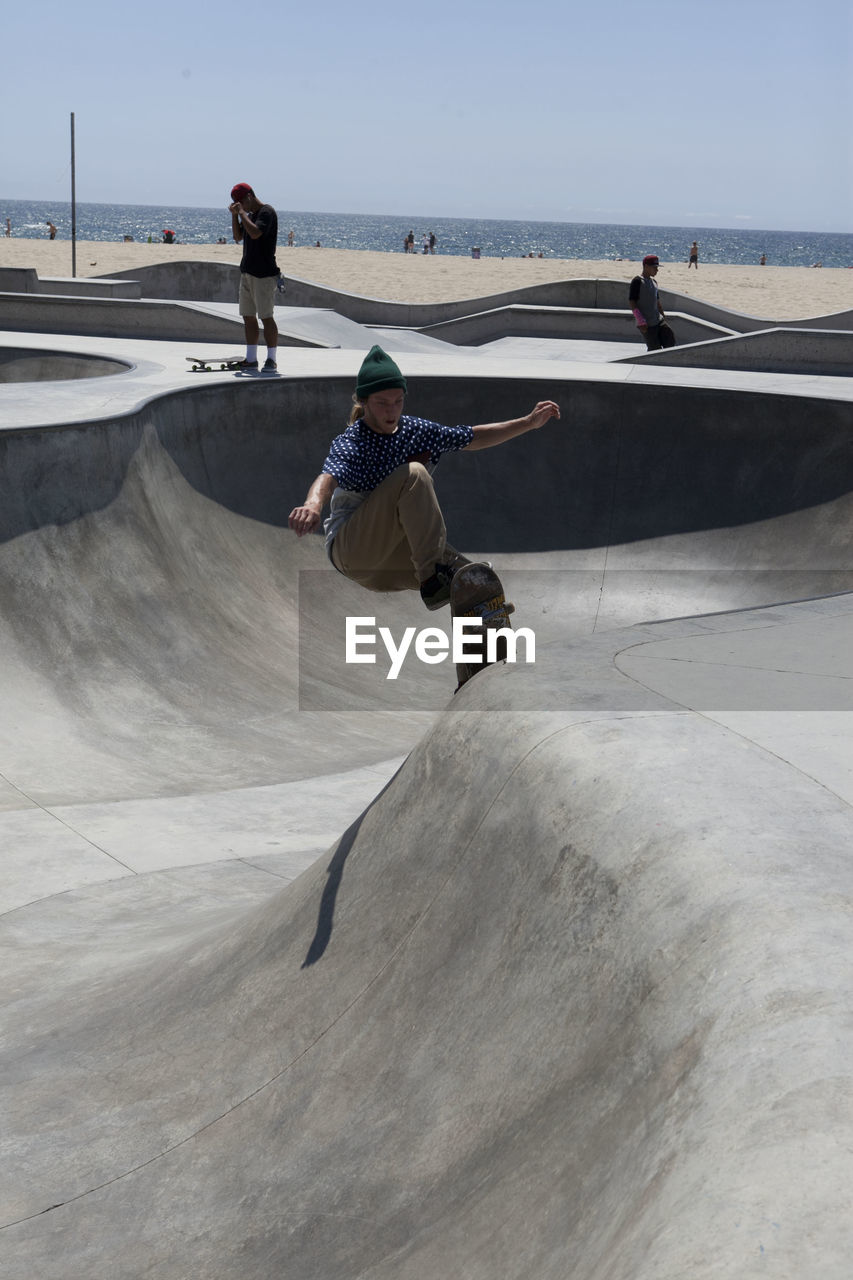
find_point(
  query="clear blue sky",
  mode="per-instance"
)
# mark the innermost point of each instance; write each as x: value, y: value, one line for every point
x: 734, y: 113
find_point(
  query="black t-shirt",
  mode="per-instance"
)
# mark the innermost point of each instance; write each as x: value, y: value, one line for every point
x: 259, y: 255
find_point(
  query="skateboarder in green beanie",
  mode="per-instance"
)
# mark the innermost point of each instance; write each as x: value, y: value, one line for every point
x: 385, y: 529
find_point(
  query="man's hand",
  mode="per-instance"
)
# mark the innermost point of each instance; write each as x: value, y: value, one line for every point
x: 542, y: 413
x: 303, y: 520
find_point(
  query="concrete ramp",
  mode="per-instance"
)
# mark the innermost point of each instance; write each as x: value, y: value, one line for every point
x: 571, y: 996
x: 558, y: 1004
x: 594, y: 324
x: 783, y: 350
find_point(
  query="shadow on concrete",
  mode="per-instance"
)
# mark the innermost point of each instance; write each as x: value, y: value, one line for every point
x: 335, y: 875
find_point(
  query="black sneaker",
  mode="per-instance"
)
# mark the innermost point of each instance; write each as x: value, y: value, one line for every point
x: 248, y: 366
x: 455, y: 560
x: 435, y: 592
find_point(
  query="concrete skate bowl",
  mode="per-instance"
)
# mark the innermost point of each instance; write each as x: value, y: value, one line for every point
x: 25, y: 364
x: 566, y: 999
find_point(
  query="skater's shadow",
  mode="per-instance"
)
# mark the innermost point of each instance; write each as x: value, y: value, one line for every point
x: 335, y: 873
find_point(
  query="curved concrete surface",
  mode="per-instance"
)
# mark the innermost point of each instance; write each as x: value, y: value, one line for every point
x: 28, y: 364
x: 571, y: 996
x: 200, y: 282
x: 27, y: 280
x: 160, y: 319
x: 584, y: 294
x: 193, y: 301
x: 789, y: 350
x: 590, y: 324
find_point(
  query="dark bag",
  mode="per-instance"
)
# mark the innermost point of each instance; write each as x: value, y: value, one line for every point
x: 665, y: 335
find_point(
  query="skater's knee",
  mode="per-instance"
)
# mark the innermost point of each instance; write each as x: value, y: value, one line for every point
x: 409, y: 476
x: 418, y: 471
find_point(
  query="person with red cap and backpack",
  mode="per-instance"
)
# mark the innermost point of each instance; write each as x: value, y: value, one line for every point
x: 646, y: 306
x: 255, y: 225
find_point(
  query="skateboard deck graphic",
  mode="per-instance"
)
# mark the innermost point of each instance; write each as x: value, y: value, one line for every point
x: 477, y: 592
x: 210, y: 364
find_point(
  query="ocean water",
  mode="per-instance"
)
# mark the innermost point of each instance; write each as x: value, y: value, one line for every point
x: 455, y: 236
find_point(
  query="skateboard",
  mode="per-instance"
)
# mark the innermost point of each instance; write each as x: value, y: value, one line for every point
x: 210, y: 364
x: 476, y: 591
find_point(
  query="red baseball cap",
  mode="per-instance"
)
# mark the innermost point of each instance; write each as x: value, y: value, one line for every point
x: 240, y: 192
x: 650, y: 260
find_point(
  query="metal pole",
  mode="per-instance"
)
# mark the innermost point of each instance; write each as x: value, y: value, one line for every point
x: 73, y: 206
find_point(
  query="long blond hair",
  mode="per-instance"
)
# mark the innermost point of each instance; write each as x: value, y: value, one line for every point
x: 357, y: 410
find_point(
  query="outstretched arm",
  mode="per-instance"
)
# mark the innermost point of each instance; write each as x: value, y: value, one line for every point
x: 491, y: 433
x: 305, y: 519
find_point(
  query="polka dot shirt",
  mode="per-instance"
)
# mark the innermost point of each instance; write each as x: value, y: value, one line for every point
x: 360, y: 459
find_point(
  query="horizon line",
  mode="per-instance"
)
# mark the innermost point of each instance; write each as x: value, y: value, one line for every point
x: 448, y: 217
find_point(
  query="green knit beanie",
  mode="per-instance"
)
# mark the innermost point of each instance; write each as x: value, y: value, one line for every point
x: 378, y: 372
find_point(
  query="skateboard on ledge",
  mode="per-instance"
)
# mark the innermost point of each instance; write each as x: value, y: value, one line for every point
x: 210, y: 364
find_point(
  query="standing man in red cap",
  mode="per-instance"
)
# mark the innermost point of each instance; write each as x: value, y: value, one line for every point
x: 256, y: 226
x: 646, y: 306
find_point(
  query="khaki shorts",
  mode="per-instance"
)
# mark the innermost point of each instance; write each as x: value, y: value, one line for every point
x: 257, y: 295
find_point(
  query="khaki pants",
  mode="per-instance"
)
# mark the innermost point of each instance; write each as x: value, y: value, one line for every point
x: 394, y: 540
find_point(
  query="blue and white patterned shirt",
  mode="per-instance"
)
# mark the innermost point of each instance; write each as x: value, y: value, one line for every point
x: 360, y: 459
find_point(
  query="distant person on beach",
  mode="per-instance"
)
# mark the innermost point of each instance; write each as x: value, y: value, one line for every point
x: 290, y: 239
x: 693, y: 260
x: 385, y: 529
x: 256, y: 226
x: 762, y: 261
x: 425, y: 243
x: 410, y: 242
x: 646, y: 306
x: 8, y: 228
x: 51, y: 230
x: 432, y: 242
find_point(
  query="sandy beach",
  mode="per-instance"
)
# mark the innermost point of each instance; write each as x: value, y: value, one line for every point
x: 783, y: 293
